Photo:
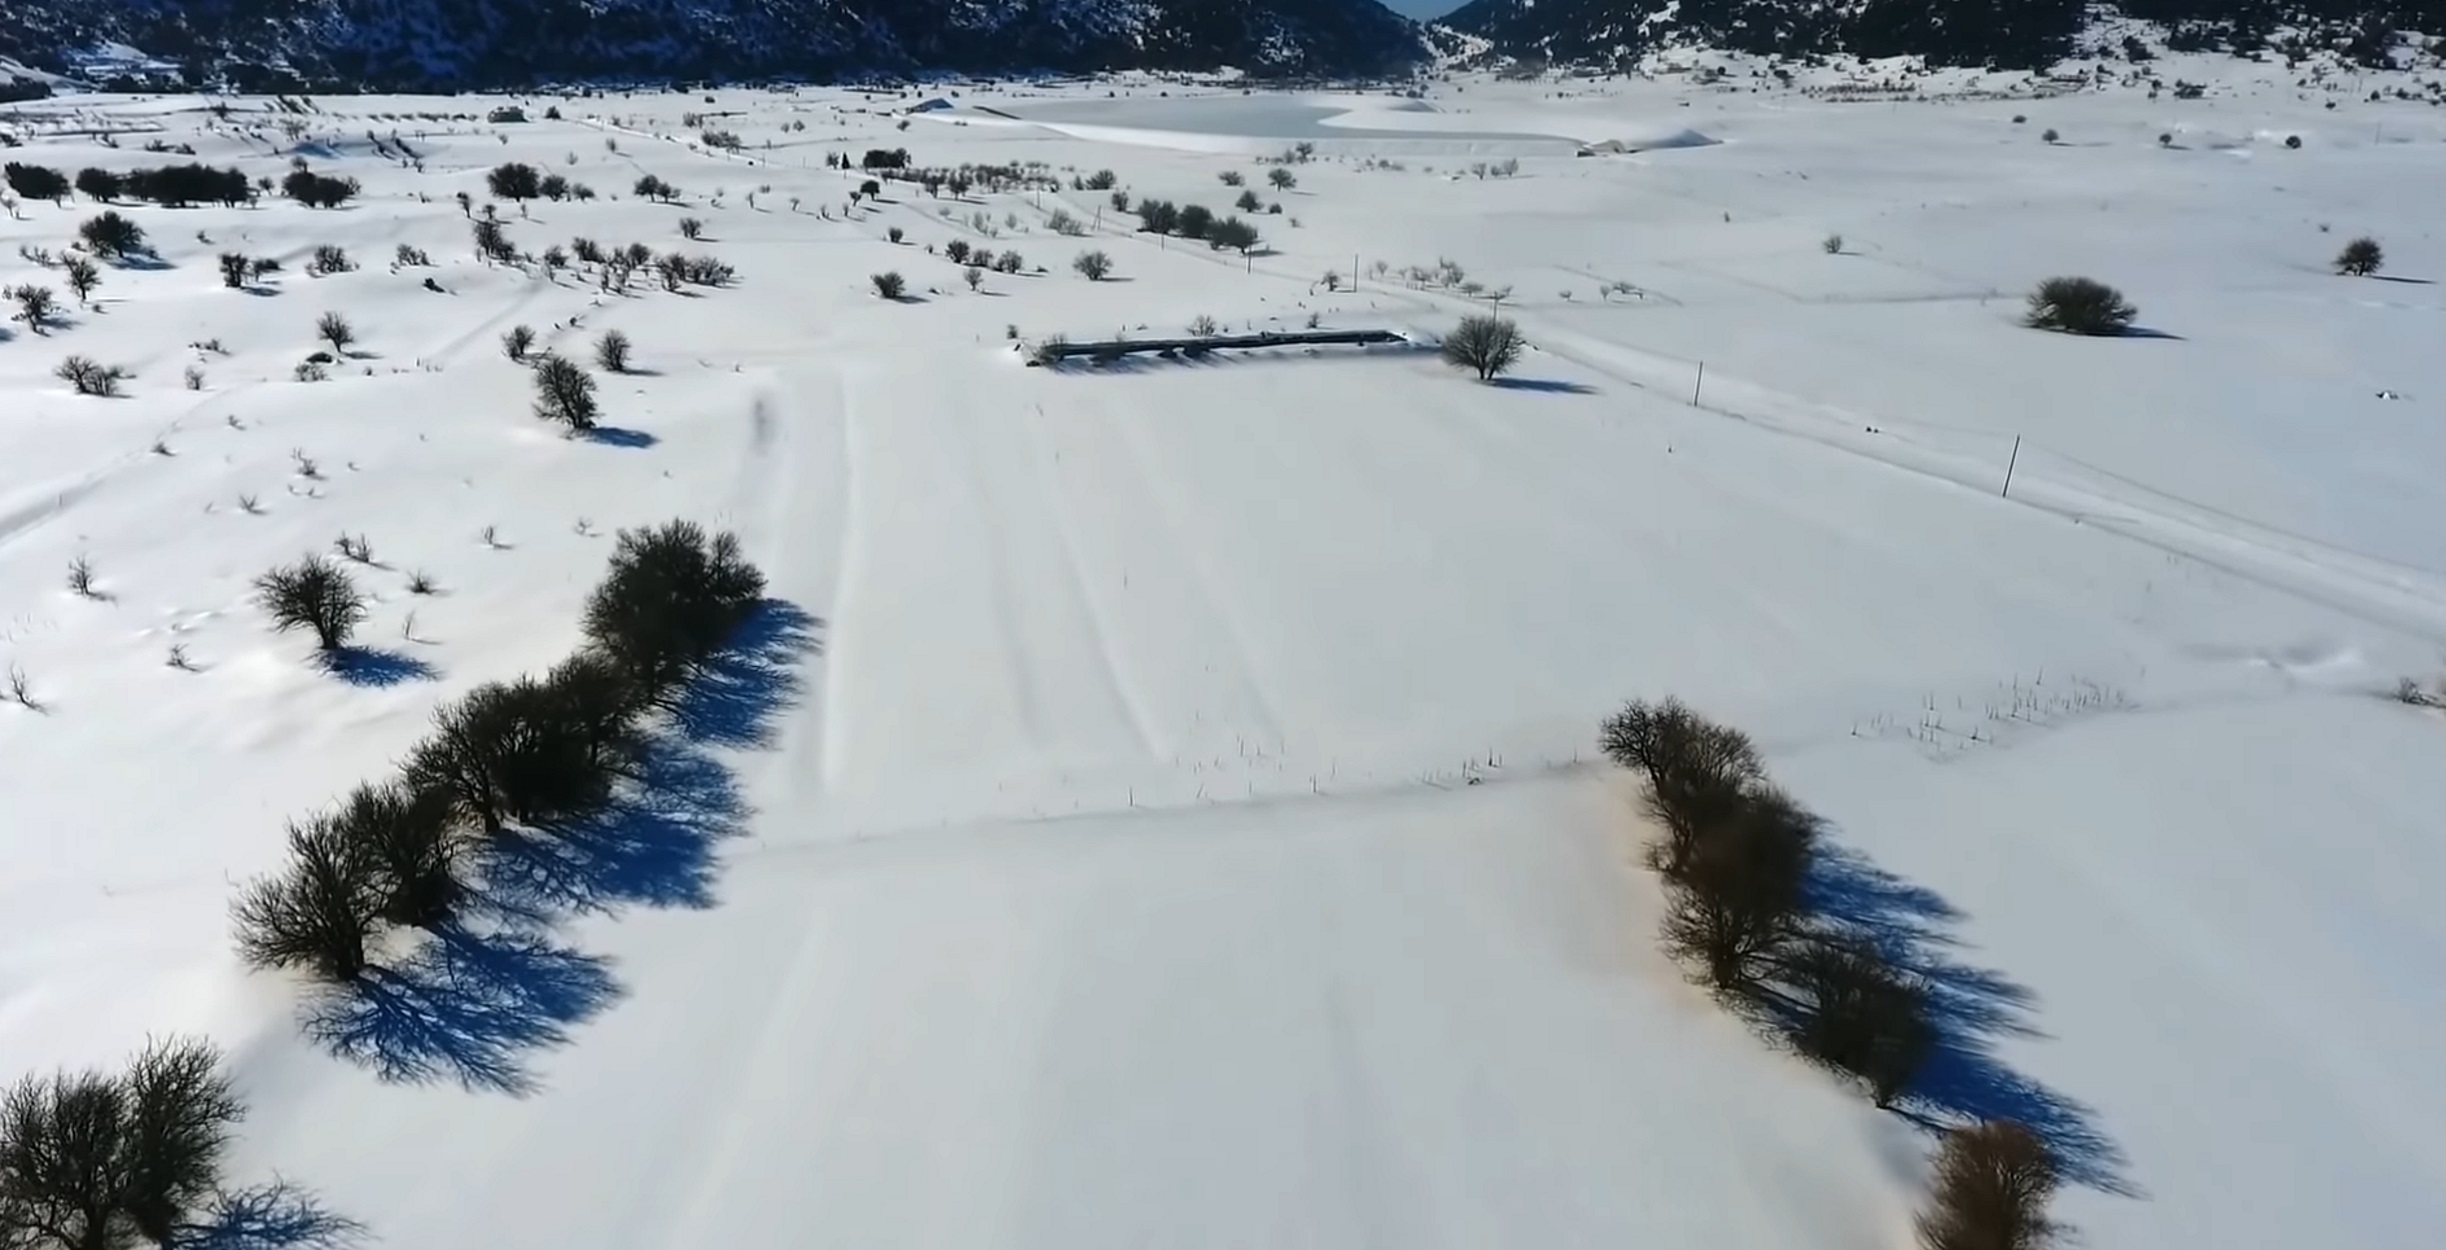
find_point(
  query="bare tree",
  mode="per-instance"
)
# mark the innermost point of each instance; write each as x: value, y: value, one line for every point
x: 35, y: 306
x: 318, y: 912
x: 517, y: 341
x: 1992, y: 1183
x: 2360, y: 258
x: 564, y: 392
x: 612, y: 351
x: 83, y: 276
x: 1699, y: 772
x: 335, y: 330
x: 1094, y: 266
x: 1862, y: 1015
x: 313, y: 594
x: 1487, y: 344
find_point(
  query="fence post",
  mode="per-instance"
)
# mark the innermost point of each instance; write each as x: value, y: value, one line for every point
x: 1694, y: 387
x: 2014, y: 459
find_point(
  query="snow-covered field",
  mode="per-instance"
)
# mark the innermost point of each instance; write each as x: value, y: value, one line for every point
x: 1161, y: 809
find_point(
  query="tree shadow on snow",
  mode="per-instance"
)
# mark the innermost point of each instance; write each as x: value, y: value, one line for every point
x: 375, y: 666
x: 466, y: 1006
x: 277, y: 1216
x: 477, y: 997
x: 1553, y: 386
x: 614, y: 436
x: 2144, y: 332
x: 1972, y: 1008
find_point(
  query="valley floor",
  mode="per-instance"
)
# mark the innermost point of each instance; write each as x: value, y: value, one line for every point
x: 1160, y: 806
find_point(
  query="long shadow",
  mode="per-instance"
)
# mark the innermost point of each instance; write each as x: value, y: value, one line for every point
x: 466, y: 1006
x: 375, y: 666
x: 277, y: 1216
x: 479, y: 997
x: 1972, y: 1008
x: 615, y: 436
x: 1555, y: 386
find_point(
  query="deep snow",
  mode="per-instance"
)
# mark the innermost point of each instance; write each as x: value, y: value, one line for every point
x: 1087, y: 851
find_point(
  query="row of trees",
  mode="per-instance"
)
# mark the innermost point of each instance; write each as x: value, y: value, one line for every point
x: 1195, y: 221
x: 1736, y: 854
x: 537, y: 754
x: 176, y: 186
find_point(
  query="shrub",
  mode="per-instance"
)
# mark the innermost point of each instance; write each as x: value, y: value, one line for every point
x: 2294, y: 142
x: 957, y: 251
x: 1008, y: 262
x: 1861, y: 1016
x: 35, y: 306
x: 1990, y: 1189
x: 705, y: 271
x: 894, y: 233
x: 317, y: 913
x: 1102, y: 180
x: 1833, y: 245
x: 1061, y: 222
x: 99, y: 184
x: 2079, y: 306
x: 1488, y: 344
x: 974, y: 276
x: 673, y: 270
x: 335, y: 330
x: 598, y: 699
x: 97, y: 1160
x: 1094, y: 266
x: 493, y: 242
x: 889, y: 284
x: 517, y: 341
x: 510, y: 753
x: 1230, y: 177
x: 611, y: 351
x: 407, y: 257
x: 261, y: 266
x: 2360, y: 258
x: 316, y: 191
x: 1121, y: 201
x: 1248, y: 202
x: 2051, y: 136
x: 87, y: 377
x: 112, y: 235
x: 1233, y: 233
x: 233, y: 270
x: 1203, y: 327
x: 564, y: 392
x: 329, y: 258
x: 1158, y: 216
x: 1193, y: 221
x: 671, y: 599
x: 653, y: 188
x: 313, y: 594
x: 36, y: 182
x: 553, y: 187
x: 692, y: 228
x: 587, y: 250
x: 410, y: 849
x: 515, y: 180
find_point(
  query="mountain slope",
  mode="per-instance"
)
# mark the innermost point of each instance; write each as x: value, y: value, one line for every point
x: 453, y: 44
x: 2003, y: 33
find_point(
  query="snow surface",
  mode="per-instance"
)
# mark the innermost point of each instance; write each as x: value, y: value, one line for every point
x: 1088, y: 851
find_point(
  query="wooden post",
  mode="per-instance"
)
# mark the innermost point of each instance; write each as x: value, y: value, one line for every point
x: 2014, y: 459
x: 1694, y: 387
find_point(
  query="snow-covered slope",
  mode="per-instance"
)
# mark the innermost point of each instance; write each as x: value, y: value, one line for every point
x: 1160, y: 807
